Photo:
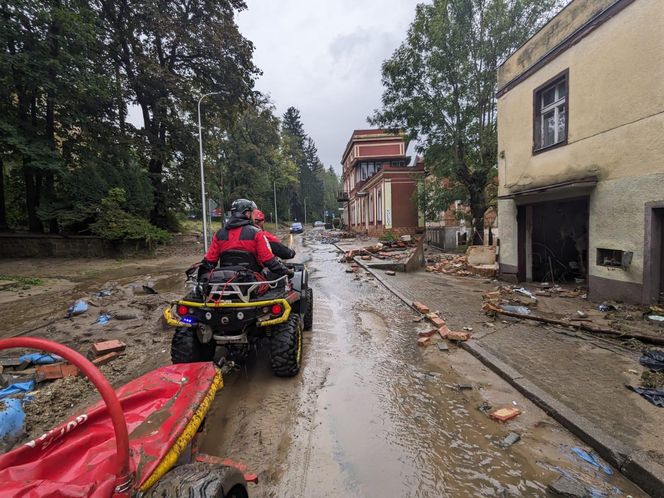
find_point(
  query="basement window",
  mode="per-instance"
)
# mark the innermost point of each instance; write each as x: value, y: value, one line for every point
x: 614, y: 258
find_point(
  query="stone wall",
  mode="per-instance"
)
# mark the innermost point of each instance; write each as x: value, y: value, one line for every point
x: 20, y: 245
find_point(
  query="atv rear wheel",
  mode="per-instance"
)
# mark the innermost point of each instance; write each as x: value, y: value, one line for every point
x: 186, y: 348
x: 286, y: 347
x: 200, y: 480
x: 309, y: 311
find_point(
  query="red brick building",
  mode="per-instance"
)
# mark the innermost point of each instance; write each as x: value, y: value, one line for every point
x: 379, y: 185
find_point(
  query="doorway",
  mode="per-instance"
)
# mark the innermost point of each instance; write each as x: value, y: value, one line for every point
x: 653, y: 271
x: 553, y: 241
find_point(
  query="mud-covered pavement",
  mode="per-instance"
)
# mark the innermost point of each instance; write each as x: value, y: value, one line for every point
x: 371, y: 414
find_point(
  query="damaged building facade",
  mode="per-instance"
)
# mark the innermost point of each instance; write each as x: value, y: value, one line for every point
x: 380, y: 184
x: 581, y: 151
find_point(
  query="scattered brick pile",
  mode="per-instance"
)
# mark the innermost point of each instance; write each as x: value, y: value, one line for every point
x: 450, y: 264
x: 440, y: 327
x: 458, y: 265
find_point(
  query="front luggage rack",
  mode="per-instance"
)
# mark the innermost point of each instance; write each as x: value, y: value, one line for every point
x: 229, y: 290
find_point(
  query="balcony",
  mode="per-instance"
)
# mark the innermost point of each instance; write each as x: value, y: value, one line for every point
x: 343, y: 197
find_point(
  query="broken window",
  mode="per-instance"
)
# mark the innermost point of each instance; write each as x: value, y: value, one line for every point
x: 614, y: 257
x: 550, y: 116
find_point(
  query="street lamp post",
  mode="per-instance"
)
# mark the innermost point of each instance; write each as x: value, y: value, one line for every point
x: 200, y: 147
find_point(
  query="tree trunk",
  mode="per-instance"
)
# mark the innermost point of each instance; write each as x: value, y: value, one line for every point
x: 159, y: 214
x: 477, y: 209
x: 3, y: 213
x: 31, y: 196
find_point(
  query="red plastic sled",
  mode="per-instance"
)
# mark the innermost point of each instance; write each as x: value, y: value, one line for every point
x: 120, y: 446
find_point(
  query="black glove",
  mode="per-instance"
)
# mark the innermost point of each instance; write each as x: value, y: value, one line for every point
x: 204, y: 270
x: 290, y: 273
x: 276, y: 266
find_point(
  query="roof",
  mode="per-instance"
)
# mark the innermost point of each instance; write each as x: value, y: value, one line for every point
x: 369, y: 134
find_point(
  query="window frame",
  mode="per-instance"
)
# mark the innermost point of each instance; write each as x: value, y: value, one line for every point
x: 537, y: 114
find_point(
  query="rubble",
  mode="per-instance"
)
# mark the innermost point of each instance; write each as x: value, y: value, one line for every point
x: 505, y: 414
x: 421, y: 307
x: 510, y: 439
x: 423, y: 341
x: 105, y: 347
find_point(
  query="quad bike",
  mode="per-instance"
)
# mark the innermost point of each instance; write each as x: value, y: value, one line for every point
x: 140, y: 440
x: 236, y: 308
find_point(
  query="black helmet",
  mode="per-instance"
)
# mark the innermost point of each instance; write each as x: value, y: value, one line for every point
x: 239, y: 206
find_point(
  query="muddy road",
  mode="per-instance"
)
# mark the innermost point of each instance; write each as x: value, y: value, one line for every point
x: 371, y: 414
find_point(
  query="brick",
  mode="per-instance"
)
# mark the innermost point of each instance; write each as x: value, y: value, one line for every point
x: 105, y: 347
x: 443, y: 331
x: 423, y: 341
x: 504, y: 414
x: 453, y: 335
x: 436, y: 320
x: 56, y: 371
x: 427, y: 333
x: 103, y: 360
x: 366, y: 257
x: 422, y: 308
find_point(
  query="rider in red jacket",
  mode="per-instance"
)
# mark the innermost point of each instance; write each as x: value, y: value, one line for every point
x: 240, y: 234
x: 279, y: 249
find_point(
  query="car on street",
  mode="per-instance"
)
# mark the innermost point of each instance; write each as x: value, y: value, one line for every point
x: 296, y: 227
x: 319, y: 225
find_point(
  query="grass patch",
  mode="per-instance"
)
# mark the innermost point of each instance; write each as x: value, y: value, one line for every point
x: 20, y: 283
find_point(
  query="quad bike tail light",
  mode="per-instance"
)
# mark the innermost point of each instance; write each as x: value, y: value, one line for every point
x: 182, y: 310
x: 276, y: 309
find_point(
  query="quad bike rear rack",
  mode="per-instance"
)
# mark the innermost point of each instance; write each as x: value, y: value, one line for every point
x: 226, y: 291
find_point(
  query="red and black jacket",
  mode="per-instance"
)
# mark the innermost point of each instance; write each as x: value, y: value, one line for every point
x: 279, y: 249
x: 240, y: 234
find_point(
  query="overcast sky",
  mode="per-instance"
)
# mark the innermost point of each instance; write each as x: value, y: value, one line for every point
x: 324, y: 58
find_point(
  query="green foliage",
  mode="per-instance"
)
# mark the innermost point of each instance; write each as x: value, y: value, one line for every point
x: 440, y: 85
x: 20, y: 283
x: 116, y: 224
x: 69, y: 69
x: 434, y: 197
x: 387, y: 236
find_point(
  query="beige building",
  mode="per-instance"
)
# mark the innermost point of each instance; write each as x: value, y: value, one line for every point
x: 581, y: 151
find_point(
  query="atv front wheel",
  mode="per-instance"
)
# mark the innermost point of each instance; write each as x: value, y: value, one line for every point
x: 186, y: 348
x: 309, y: 312
x: 200, y: 480
x: 286, y: 347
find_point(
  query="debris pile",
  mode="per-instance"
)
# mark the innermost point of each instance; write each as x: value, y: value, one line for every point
x: 395, y: 251
x: 652, y: 380
x: 457, y: 264
x: 450, y: 264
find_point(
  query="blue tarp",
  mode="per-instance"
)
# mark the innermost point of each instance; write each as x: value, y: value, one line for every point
x: 40, y: 358
x: 592, y: 460
x: 18, y: 387
x: 80, y: 306
x: 12, y: 418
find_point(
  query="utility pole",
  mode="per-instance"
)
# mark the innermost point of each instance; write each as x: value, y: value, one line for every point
x: 276, y: 223
x: 305, y: 211
x: 200, y: 145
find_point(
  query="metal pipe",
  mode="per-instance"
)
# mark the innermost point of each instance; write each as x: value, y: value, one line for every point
x: 99, y: 381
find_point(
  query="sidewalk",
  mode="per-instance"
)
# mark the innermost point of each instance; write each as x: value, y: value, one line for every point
x: 577, y: 378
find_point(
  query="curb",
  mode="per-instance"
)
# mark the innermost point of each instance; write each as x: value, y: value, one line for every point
x: 637, y: 466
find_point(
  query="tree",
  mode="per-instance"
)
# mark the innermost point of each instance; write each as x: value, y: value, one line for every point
x: 440, y: 86
x: 53, y: 92
x: 167, y: 54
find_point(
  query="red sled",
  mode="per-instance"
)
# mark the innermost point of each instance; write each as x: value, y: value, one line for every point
x: 140, y: 440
